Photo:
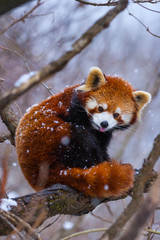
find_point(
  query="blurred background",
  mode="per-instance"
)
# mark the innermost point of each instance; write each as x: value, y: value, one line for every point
x: 125, y: 49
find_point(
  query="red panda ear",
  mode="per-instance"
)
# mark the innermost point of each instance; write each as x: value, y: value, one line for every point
x: 94, y: 80
x: 142, y: 98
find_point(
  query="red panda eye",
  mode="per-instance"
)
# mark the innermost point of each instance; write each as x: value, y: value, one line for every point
x: 100, y: 109
x: 115, y: 115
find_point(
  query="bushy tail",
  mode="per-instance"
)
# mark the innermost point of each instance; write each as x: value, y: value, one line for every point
x: 107, y: 179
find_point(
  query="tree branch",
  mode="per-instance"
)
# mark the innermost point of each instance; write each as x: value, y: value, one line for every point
x: 108, y: 3
x: 11, y: 121
x: 144, y: 212
x: 146, y: 1
x: 59, y: 199
x: 58, y: 65
x: 137, y: 195
x: 6, y: 136
x: 17, y: 224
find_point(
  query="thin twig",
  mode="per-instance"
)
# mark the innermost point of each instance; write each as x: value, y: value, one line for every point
x: 84, y: 232
x: 147, y: 28
x: 15, y: 220
x: 41, y: 15
x: 100, y: 218
x: 21, y: 18
x: 48, y: 88
x: 9, y: 223
x: 19, y: 54
x: 152, y: 231
x: 50, y: 224
x: 146, y: 1
x: 152, y: 10
x: 26, y: 65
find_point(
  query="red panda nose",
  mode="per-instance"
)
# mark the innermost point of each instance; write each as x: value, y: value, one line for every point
x: 104, y: 124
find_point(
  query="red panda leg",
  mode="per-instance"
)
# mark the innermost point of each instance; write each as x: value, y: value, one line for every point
x: 107, y: 179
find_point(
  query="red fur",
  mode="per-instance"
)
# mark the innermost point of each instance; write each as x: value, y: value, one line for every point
x: 40, y: 133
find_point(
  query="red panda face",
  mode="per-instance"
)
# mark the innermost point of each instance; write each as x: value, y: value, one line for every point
x: 110, y: 102
x: 104, y: 116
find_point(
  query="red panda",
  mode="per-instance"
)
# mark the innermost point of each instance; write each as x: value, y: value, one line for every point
x: 64, y: 138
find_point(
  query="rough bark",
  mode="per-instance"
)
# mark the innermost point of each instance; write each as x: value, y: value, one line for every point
x: 35, y: 208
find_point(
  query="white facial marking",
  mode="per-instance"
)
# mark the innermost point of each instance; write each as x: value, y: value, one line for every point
x: 118, y: 110
x: 91, y: 103
x: 101, y: 117
x: 126, y: 117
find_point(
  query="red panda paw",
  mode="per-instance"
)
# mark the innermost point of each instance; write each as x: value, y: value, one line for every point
x: 116, y: 179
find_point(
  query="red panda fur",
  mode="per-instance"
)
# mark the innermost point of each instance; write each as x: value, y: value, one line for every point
x: 57, y: 140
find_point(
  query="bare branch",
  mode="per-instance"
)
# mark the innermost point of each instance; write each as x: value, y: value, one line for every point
x: 152, y: 231
x: 21, y: 18
x: 50, y: 224
x: 9, y: 224
x: 59, y: 199
x: 141, y: 179
x: 4, y: 137
x: 147, y: 28
x: 10, y: 120
x: 148, y: 8
x: 18, y: 54
x: 109, y: 3
x: 84, y: 232
x: 100, y: 218
x: 144, y: 212
x: 47, y: 88
x: 17, y: 224
x: 146, y: 1
x: 56, y: 66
